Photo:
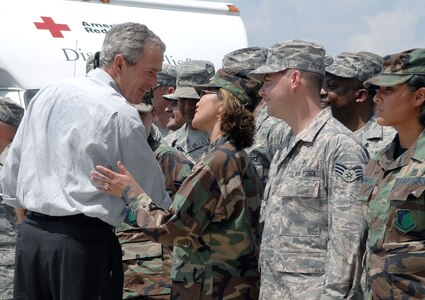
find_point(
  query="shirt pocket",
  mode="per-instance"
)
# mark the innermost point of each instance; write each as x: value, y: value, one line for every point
x: 366, y: 188
x: 407, y: 209
x: 301, y: 208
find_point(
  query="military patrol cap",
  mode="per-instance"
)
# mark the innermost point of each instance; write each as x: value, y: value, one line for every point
x: 239, y: 83
x: 354, y: 65
x: 399, y: 68
x: 167, y: 76
x: 294, y: 54
x: 249, y: 58
x: 143, y: 107
x: 189, y: 74
x: 10, y: 112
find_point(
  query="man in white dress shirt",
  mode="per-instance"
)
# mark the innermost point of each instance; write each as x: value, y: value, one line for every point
x: 66, y: 247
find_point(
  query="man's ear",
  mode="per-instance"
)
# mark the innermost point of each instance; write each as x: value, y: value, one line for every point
x: 170, y: 90
x: 362, y: 95
x: 118, y: 63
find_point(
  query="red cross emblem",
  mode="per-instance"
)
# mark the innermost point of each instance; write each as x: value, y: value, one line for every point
x: 55, y: 29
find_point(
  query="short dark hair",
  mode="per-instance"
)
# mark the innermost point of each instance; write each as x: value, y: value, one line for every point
x: 415, y: 83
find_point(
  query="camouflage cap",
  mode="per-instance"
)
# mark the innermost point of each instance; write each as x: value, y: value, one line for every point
x: 354, y: 65
x: 167, y: 76
x: 143, y: 107
x: 189, y: 74
x: 294, y: 54
x: 249, y: 58
x: 399, y: 68
x: 239, y: 83
x: 10, y: 112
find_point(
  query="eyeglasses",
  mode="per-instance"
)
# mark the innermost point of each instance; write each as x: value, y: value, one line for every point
x: 207, y: 92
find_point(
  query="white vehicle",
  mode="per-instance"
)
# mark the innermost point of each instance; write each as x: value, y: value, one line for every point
x: 43, y: 41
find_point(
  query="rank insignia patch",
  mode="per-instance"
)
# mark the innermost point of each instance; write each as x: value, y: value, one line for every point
x: 349, y: 174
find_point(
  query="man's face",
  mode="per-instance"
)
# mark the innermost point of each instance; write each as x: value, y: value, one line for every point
x: 187, y: 109
x: 134, y: 81
x: 175, y: 120
x: 160, y: 105
x: 275, y: 93
x: 339, y: 93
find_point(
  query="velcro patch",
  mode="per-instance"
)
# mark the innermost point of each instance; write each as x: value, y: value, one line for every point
x: 404, y: 220
x: 349, y: 174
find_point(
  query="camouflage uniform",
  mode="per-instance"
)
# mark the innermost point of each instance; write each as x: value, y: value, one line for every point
x: 374, y: 136
x: 179, y: 139
x: 313, y: 225
x: 11, y: 114
x: 394, y: 191
x: 8, y: 232
x: 269, y: 135
x: 213, y: 226
x: 147, y: 265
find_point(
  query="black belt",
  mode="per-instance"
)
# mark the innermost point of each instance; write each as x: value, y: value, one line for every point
x: 37, y: 215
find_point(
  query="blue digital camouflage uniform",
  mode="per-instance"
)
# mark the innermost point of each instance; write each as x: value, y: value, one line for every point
x: 374, y: 136
x: 394, y: 190
x: 213, y: 225
x: 269, y: 135
x: 147, y: 265
x: 314, y: 226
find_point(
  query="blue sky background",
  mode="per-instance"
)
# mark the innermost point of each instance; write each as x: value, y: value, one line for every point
x: 380, y: 26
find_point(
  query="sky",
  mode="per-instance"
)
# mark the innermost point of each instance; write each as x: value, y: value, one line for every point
x: 379, y: 26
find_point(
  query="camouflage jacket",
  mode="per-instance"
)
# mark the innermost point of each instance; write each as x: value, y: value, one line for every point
x: 314, y: 226
x: 394, y: 190
x: 270, y: 133
x: 147, y: 265
x: 374, y: 136
x: 8, y: 233
x: 179, y: 139
x: 213, y: 225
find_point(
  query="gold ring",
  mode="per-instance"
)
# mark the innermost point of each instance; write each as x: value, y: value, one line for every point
x: 106, y: 186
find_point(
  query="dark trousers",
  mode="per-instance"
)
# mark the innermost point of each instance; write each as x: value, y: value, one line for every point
x: 67, y: 258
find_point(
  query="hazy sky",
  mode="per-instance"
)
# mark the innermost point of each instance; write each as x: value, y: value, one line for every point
x: 380, y: 26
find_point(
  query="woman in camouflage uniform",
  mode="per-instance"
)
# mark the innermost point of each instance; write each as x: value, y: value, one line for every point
x: 213, y: 222
x: 394, y: 183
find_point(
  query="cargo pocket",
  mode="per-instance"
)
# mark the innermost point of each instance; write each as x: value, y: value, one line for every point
x: 407, y: 274
x: 302, y: 208
x: 142, y: 257
x: 407, y: 209
x: 187, y: 281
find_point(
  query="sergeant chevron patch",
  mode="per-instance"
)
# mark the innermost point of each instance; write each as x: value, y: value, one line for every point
x: 349, y: 174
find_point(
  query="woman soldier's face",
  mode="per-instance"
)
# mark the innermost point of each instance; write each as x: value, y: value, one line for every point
x: 395, y: 105
x: 207, y: 110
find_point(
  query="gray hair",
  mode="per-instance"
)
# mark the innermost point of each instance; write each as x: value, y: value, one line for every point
x: 130, y: 40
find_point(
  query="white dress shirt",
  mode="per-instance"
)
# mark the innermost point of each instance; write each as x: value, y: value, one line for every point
x: 69, y: 128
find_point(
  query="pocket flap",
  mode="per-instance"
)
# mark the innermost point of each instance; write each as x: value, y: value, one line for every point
x: 141, y: 250
x: 366, y: 188
x: 407, y: 186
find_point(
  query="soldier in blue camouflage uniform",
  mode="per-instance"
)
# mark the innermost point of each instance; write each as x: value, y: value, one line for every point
x: 313, y: 223
x: 213, y: 223
x: 351, y: 102
x: 188, y: 140
x: 147, y: 265
x: 270, y: 131
x: 394, y: 183
x: 10, y: 117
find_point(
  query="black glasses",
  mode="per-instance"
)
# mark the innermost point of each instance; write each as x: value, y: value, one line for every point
x: 207, y: 92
